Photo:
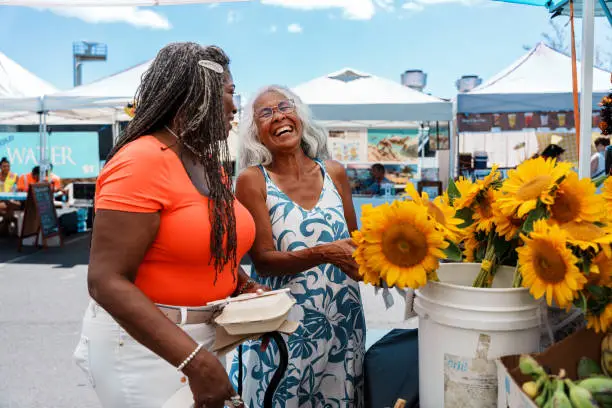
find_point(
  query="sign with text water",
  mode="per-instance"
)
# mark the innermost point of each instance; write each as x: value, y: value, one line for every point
x: 73, y: 154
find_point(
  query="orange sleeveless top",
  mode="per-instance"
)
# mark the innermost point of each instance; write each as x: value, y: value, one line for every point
x: 177, y: 268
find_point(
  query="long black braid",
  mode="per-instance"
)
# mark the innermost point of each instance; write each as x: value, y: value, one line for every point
x: 178, y: 93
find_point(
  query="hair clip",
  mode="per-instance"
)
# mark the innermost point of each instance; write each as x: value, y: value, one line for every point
x: 213, y: 66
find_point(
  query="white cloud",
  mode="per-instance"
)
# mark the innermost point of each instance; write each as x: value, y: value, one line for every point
x: 135, y: 16
x: 273, y: 29
x: 232, y: 17
x: 352, y: 9
x: 294, y: 28
x: 412, y: 6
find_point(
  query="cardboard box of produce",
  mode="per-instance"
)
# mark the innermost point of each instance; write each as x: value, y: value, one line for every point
x: 563, y: 355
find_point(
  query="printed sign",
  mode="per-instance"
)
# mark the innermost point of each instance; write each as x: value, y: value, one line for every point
x: 393, y: 145
x: 73, y: 154
x: 469, y: 382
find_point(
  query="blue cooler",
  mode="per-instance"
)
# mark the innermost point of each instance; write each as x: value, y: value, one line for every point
x: 480, y: 160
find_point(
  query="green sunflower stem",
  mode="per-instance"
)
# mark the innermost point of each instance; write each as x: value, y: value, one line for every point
x: 517, y: 282
x: 485, y: 276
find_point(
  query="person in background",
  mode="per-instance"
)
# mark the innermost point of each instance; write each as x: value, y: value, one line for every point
x: 553, y: 151
x: 8, y: 180
x: 54, y: 179
x: 26, y: 180
x: 377, y: 179
x: 598, y: 160
x: 304, y: 214
x: 166, y: 242
x: 8, y: 184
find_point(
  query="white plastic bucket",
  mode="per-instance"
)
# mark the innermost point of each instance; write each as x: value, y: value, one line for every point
x: 462, y: 330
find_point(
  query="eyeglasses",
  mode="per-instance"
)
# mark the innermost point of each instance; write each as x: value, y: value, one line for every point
x: 286, y: 106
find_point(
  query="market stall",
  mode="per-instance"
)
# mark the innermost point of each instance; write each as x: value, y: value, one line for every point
x: 515, y: 113
x: 375, y: 120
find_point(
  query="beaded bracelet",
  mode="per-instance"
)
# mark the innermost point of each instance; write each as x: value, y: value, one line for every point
x: 189, y: 357
x: 250, y: 282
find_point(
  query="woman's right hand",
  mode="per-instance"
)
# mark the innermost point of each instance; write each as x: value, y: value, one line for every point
x: 208, y: 381
x: 340, y: 254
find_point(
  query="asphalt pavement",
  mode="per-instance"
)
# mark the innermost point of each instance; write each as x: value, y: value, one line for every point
x: 43, y: 296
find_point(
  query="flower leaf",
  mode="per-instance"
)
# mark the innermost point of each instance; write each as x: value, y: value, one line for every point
x: 453, y: 252
x: 466, y: 215
x: 538, y: 213
x: 453, y: 191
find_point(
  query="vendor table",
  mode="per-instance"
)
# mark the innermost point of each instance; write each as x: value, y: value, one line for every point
x: 17, y: 196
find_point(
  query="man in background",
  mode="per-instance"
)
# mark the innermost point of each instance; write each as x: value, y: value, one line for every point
x: 24, y: 182
x: 377, y: 179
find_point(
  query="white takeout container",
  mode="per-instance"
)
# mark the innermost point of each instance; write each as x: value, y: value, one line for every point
x: 256, y: 315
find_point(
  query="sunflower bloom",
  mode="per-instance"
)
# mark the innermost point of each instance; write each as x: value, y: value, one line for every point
x: 532, y: 181
x: 493, y: 176
x: 586, y: 235
x: 505, y: 226
x: 606, y: 193
x: 471, y: 244
x: 602, y: 322
x: 440, y: 210
x: 548, y: 266
x: 601, y: 271
x: 400, y: 244
x: 483, y: 211
x: 467, y: 193
x: 575, y: 200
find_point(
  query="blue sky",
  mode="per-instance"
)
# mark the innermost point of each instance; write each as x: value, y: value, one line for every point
x: 290, y: 41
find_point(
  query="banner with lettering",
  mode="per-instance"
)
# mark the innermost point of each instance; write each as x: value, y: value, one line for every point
x: 487, y: 122
x: 73, y: 154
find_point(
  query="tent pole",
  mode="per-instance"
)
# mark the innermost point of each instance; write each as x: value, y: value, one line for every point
x: 586, y: 87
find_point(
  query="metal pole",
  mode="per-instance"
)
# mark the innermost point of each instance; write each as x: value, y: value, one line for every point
x: 586, y: 87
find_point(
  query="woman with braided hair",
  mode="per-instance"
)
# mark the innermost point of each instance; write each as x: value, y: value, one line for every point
x: 166, y: 239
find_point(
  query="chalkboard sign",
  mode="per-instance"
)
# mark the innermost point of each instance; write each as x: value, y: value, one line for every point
x: 39, y: 215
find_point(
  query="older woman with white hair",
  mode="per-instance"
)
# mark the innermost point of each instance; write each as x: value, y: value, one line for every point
x: 304, y: 214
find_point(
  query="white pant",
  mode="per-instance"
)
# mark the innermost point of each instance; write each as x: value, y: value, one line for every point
x: 123, y: 372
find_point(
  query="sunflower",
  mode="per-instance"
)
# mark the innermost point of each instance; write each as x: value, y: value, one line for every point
x: 483, y: 211
x: 369, y: 276
x: 490, y: 179
x: 399, y: 243
x: 576, y: 200
x: 548, y: 266
x: 533, y: 180
x: 471, y: 244
x: 440, y: 210
x: 606, y: 193
x: 467, y: 193
x: 586, y: 235
x: 601, y: 271
x: 506, y: 226
x: 601, y: 322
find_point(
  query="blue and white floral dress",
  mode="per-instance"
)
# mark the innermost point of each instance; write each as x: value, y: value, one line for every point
x: 326, y: 353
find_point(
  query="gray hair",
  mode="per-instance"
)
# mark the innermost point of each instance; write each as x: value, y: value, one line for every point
x: 253, y: 152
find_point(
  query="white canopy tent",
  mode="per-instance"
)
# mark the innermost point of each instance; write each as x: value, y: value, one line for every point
x: 351, y: 95
x: 20, y: 90
x: 351, y: 99
x: 541, y: 80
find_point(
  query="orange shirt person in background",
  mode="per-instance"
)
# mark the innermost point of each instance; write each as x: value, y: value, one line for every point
x: 25, y: 180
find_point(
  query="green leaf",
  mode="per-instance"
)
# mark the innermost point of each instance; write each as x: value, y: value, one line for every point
x: 586, y: 266
x: 596, y: 291
x: 538, y: 213
x: 453, y: 191
x: 466, y: 215
x: 453, y: 252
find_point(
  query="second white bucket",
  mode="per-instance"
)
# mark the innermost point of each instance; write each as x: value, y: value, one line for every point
x: 462, y: 330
